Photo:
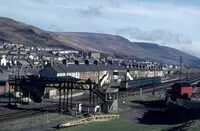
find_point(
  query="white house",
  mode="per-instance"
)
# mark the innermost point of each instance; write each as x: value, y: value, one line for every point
x: 31, y: 57
x: 74, y: 74
x: 3, y: 61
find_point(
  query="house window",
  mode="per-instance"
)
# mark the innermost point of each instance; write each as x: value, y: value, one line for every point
x: 60, y: 74
x: 88, y: 74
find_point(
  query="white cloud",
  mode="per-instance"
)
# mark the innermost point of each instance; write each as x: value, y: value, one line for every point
x: 163, y: 37
x: 154, y: 10
x: 91, y: 11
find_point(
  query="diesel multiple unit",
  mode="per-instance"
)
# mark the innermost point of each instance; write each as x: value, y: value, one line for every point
x: 140, y: 83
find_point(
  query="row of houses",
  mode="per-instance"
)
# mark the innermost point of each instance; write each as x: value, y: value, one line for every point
x: 97, y: 71
x: 94, y: 70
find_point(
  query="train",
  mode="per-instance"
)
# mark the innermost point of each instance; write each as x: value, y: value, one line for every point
x: 137, y: 83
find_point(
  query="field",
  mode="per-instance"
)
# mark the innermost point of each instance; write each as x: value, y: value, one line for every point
x: 115, y: 125
x: 41, y: 122
x: 121, y: 125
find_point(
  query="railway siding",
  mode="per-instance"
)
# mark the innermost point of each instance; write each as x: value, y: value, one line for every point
x: 27, y: 113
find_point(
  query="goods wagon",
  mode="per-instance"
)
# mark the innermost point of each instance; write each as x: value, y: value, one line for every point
x: 181, y: 90
x: 139, y: 83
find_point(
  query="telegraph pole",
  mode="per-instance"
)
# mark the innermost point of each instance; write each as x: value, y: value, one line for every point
x: 98, y: 83
x: 154, y: 80
x: 187, y: 73
x: 181, y: 60
x: 98, y: 77
x: 18, y: 61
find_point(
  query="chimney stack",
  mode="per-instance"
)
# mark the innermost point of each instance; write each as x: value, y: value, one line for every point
x: 64, y: 61
x: 76, y: 62
x: 87, y: 62
x: 96, y: 62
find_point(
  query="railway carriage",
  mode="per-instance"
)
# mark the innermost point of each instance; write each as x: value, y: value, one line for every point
x: 130, y: 84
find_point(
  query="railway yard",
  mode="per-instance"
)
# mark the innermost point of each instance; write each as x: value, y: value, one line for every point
x: 138, y: 109
x: 136, y: 113
x: 129, y: 112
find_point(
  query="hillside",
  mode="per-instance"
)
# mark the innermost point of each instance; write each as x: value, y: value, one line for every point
x: 17, y: 32
x: 167, y: 54
x: 105, y: 43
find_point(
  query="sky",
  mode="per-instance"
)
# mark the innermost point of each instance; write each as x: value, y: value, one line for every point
x: 173, y: 23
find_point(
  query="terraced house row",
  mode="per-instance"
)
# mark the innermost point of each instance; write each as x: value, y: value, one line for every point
x: 96, y: 71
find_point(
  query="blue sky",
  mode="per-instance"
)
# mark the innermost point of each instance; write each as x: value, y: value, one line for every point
x: 174, y: 23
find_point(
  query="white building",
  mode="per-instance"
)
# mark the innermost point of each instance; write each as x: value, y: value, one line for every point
x: 3, y: 61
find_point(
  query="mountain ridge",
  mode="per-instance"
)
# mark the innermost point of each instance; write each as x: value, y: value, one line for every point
x: 169, y: 53
x: 18, y: 32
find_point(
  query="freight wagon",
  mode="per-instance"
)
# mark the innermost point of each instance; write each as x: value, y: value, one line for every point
x: 181, y: 90
x: 130, y: 84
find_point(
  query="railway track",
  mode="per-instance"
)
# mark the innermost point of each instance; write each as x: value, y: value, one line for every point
x: 150, y: 89
x: 16, y: 115
x: 28, y: 113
